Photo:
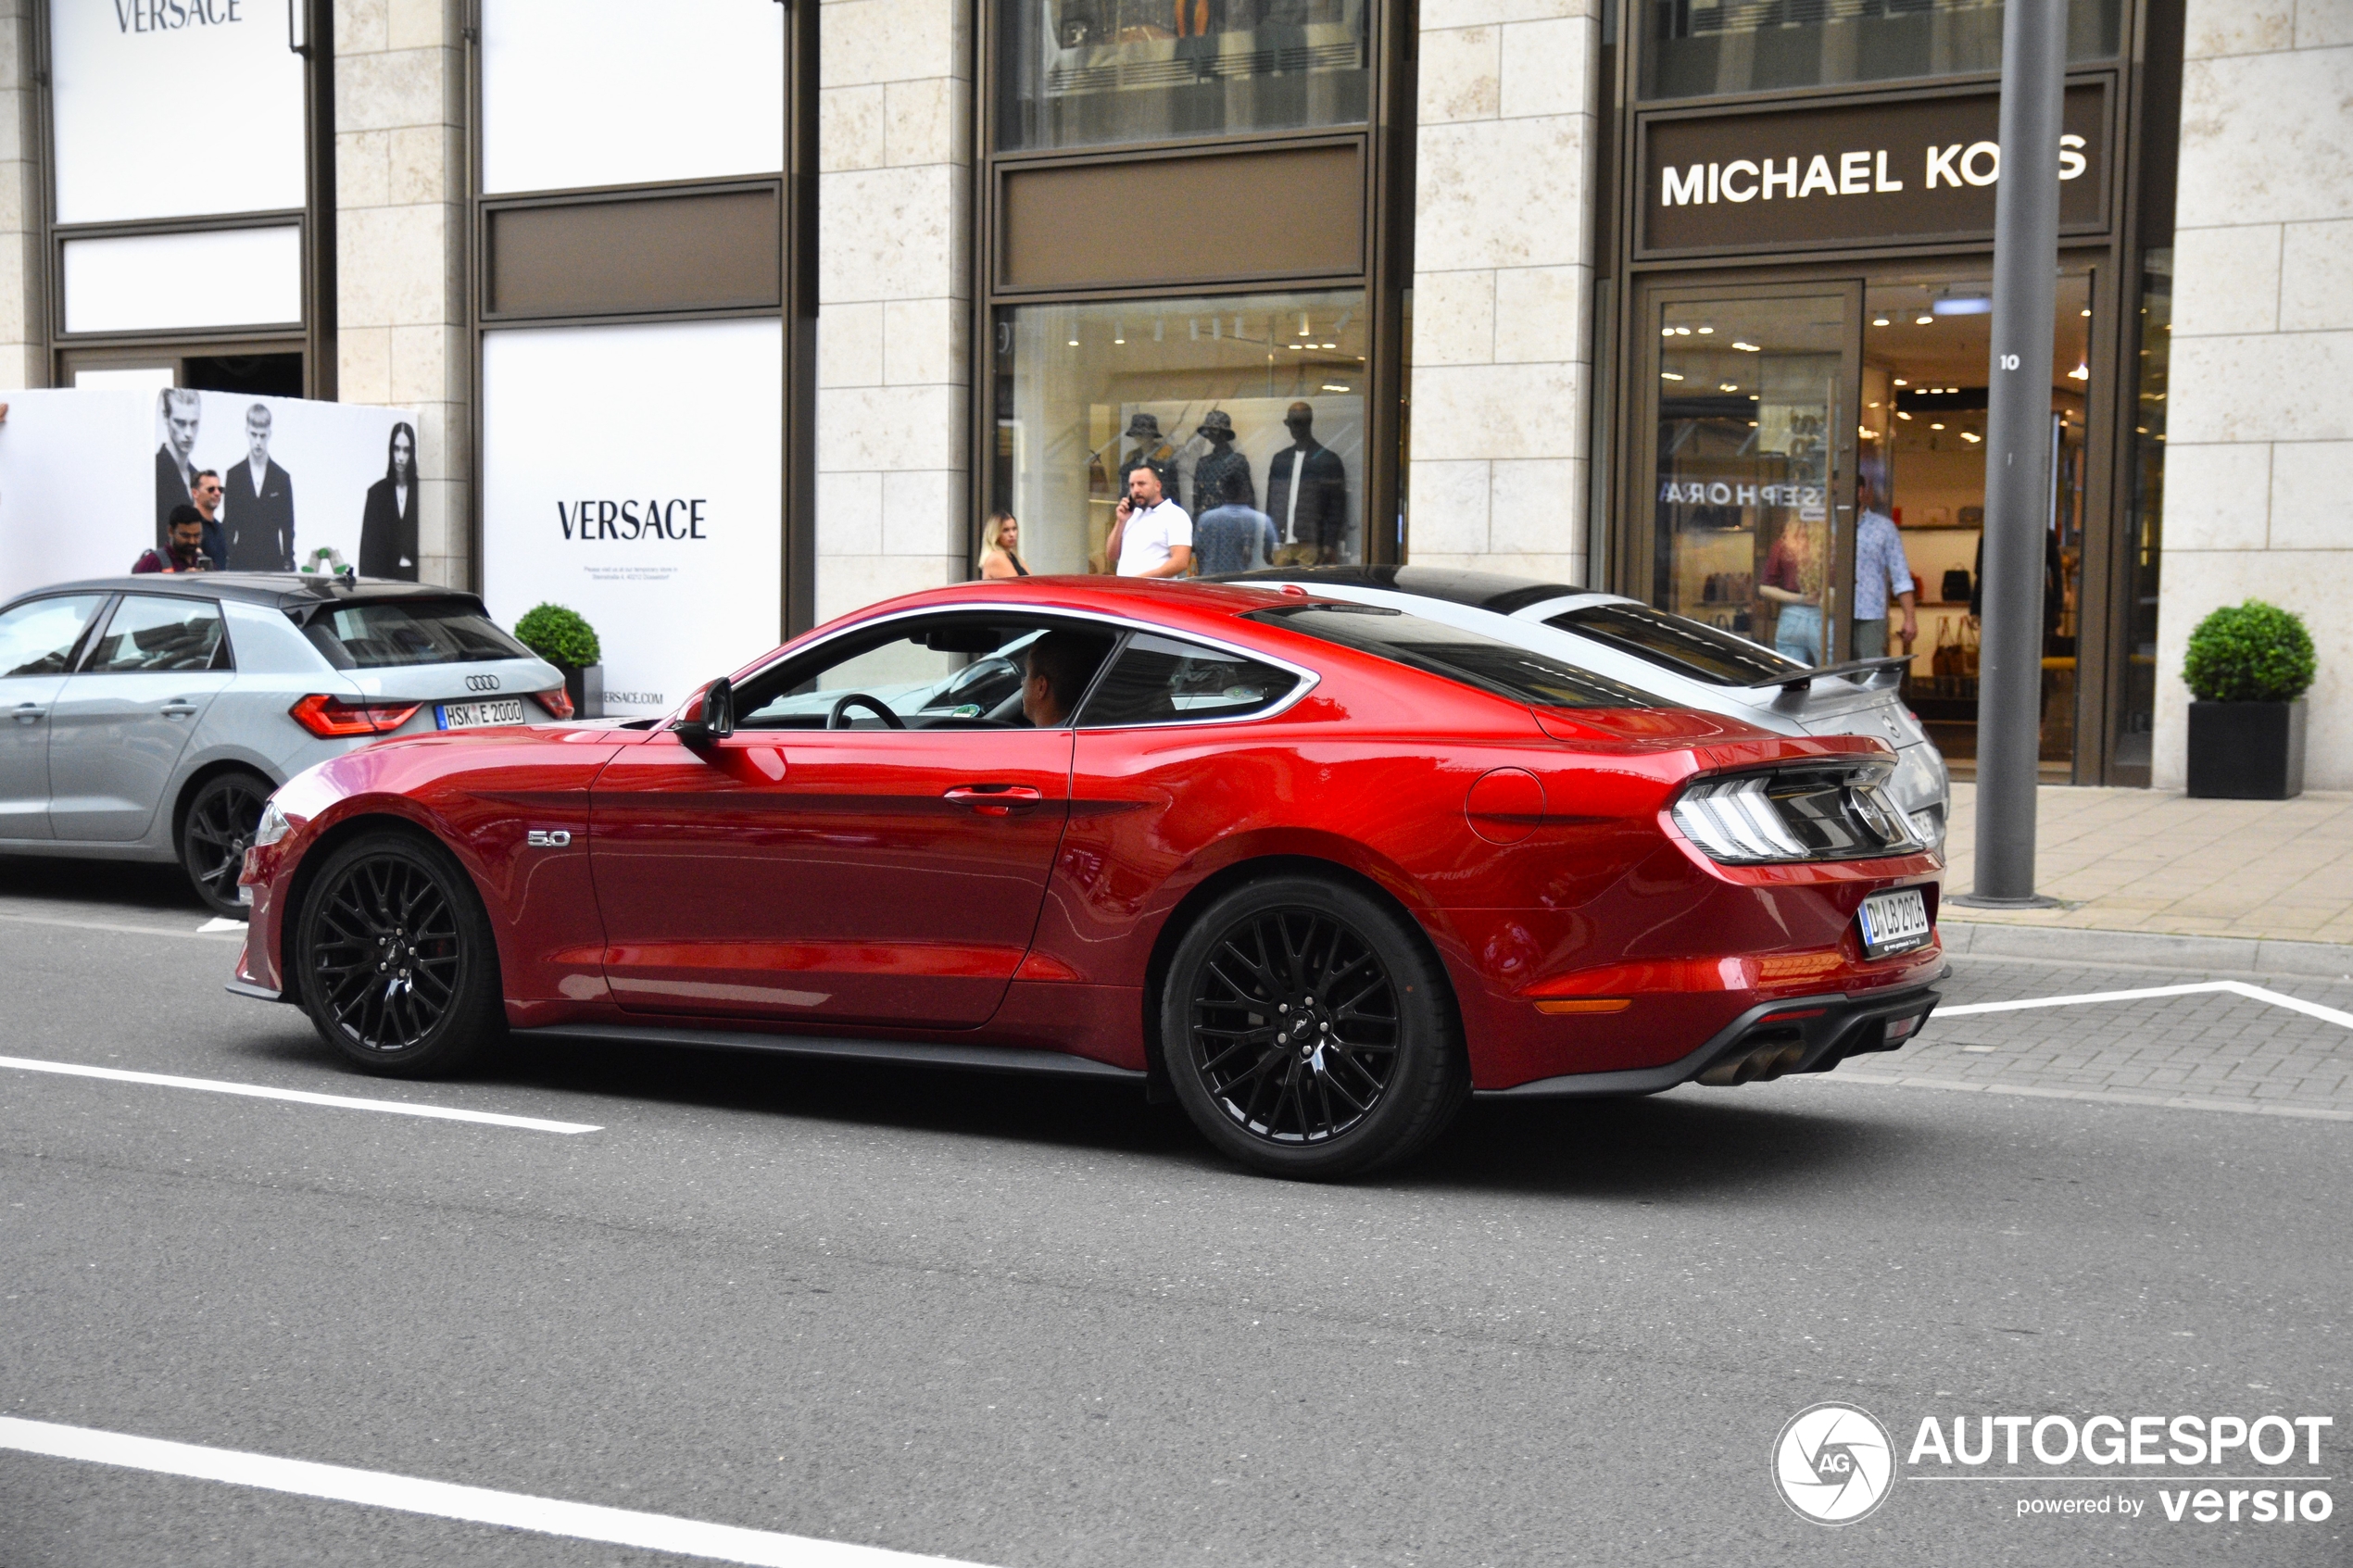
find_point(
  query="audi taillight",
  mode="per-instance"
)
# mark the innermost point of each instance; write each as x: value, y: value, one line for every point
x: 337, y: 718
x: 1759, y: 819
x: 557, y: 702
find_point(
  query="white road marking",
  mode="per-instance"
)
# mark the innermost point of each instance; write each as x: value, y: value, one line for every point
x: 300, y: 1096
x: 443, y: 1499
x: 2102, y: 1097
x: 2235, y: 988
x: 124, y: 926
x: 220, y: 924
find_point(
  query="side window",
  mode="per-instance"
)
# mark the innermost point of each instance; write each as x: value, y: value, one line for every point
x: 37, y: 638
x: 1160, y: 681
x: 150, y: 633
x: 954, y: 671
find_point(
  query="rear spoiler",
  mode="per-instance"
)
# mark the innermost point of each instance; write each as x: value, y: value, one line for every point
x: 1805, y: 678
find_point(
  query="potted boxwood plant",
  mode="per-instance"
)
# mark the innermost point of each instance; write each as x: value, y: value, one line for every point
x: 566, y: 641
x: 2248, y: 670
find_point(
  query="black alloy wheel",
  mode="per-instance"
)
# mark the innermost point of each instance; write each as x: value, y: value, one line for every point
x: 398, y: 971
x: 1309, y: 1032
x: 215, y: 834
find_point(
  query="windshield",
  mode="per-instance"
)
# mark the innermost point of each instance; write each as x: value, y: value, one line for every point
x: 388, y: 633
x: 1678, y: 643
x: 1501, y: 667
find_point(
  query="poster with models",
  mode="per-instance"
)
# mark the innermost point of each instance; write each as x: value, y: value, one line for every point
x: 89, y: 479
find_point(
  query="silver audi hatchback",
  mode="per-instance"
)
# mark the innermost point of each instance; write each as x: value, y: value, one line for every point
x: 149, y: 717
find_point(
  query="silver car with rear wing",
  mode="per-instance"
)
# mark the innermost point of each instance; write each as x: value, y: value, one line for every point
x: 1670, y: 656
x: 149, y: 717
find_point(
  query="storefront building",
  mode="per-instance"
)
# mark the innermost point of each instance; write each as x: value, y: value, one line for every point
x: 1656, y: 296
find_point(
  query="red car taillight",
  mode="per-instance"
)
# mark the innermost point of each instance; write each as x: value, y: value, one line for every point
x: 336, y: 718
x: 558, y: 702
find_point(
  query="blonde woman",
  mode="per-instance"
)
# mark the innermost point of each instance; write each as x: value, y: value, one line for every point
x: 1000, y: 546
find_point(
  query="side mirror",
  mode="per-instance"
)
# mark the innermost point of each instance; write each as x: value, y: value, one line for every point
x: 712, y: 717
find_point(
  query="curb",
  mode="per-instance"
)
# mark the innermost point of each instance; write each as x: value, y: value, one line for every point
x: 2149, y: 949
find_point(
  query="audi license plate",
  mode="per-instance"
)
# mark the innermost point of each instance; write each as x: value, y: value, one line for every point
x: 477, y: 715
x: 1894, y: 923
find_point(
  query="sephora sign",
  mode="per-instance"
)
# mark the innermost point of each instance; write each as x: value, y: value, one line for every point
x: 634, y: 474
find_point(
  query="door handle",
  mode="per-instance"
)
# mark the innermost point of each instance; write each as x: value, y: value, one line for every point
x: 179, y: 710
x: 30, y: 712
x: 993, y: 799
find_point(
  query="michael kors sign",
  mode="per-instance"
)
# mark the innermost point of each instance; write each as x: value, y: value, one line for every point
x: 1924, y: 167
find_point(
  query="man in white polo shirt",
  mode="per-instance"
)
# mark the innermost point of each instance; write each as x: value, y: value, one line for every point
x: 1152, y: 536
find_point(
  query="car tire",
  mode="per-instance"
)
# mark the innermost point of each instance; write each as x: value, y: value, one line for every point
x: 398, y: 969
x: 1308, y: 1029
x: 215, y: 832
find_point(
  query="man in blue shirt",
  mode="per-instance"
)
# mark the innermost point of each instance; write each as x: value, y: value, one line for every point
x: 1880, y: 567
x: 1233, y: 536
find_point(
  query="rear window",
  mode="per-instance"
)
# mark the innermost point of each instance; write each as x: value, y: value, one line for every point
x: 1160, y: 680
x: 1501, y: 667
x: 385, y: 634
x: 1677, y: 642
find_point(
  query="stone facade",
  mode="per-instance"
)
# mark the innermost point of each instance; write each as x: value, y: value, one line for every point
x: 1509, y: 118
x: 22, y: 361
x: 894, y: 297
x: 2259, y: 472
x: 400, y: 260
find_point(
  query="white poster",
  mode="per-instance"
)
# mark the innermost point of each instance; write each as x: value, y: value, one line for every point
x: 174, y: 108
x: 89, y: 477
x: 633, y: 475
x: 620, y: 93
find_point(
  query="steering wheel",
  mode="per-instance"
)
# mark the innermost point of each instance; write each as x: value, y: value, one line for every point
x: 860, y: 699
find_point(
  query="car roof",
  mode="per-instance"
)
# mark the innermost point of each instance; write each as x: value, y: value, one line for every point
x: 1477, y: 590
x: 279, y: 590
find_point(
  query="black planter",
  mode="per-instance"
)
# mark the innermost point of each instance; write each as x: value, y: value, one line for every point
x: 586, y: 689
x: 2246, y: 751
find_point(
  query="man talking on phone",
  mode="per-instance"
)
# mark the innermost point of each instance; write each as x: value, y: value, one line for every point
x: 1150, y: 535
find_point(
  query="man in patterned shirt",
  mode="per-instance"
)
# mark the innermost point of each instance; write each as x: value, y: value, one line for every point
x: 1880, y: 567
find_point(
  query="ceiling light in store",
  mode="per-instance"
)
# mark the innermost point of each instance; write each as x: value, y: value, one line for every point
x: 1924, y: 321
x: 1901, y: 381
x: 1863, y: 430
x: 1963, y: 305
x: 1870, y: 405
x: 1705, y: 331
x: 1074, y: 342
x: 2087, y: 311
x: 1932, y: 425
x: 1878, y: 321
x: 1667, y: 331
x: 1331, y: 346
x: 1329, y: 387
x: 1971, y: 437
x: 1752, y: 424
x: 1668, y: 375
x: 1303, y: 328
x: 1727, y: 386
x: 2081, y: 373
x: 1901, y: 415
x: 1682, y: 332
x: 1118, y: 333
x: 1747, y: 347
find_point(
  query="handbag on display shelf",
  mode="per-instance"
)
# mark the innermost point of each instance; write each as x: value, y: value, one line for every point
x: 1966, y: 652
x: 1946, y: 662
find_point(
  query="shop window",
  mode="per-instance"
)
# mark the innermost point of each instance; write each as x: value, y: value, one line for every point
x: 2136, y: 724
x: 1697, y: 48
x: 1075, y: 73
x: 1256, y: 402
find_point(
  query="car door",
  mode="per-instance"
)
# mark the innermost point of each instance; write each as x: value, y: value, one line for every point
x: 126, y: 713
x: 38, y: 639
x: 854, y: 874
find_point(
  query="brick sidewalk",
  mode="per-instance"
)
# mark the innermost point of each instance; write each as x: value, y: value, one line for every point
x: 2139, y: 860
x: 2214, y: 1052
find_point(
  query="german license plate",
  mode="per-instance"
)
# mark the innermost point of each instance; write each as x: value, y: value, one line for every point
x: 1894, y: 923
x: 477, y: 715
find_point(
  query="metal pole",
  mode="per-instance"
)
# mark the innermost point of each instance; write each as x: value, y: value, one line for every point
x: 2018, y: 440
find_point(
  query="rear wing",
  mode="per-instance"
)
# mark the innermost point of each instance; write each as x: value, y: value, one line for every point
x: 1805, y: 678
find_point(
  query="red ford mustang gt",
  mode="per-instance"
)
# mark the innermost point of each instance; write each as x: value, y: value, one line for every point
x: 1318, y: 870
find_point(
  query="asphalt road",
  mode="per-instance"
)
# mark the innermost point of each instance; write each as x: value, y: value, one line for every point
x: 1013, y: 1323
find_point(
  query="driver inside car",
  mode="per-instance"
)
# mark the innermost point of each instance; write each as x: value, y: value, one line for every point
x: 1055, y: 671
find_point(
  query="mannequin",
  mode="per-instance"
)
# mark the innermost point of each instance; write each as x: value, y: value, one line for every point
x: 1210, y: 490
x: 1307, y: 493
x: 1151, y: 449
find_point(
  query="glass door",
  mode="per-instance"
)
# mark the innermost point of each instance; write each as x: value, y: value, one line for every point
x: 1750, y: 468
